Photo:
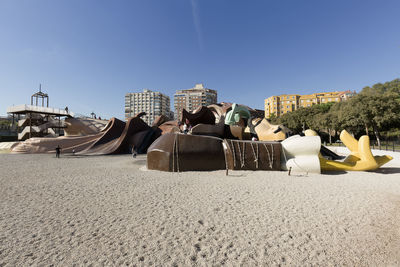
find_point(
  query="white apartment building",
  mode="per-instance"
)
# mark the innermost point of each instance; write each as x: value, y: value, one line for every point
x: 153, y: 103
x: 190, y: 99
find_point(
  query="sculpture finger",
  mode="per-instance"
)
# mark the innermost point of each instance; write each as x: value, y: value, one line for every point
x: 381, y: 160
x: 364, y: 149
x: 349, y: 141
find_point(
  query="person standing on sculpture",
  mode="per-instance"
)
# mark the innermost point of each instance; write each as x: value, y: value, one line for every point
x: 187, y: 127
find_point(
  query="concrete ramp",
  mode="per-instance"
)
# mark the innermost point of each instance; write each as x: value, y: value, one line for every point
x: 115, y: 138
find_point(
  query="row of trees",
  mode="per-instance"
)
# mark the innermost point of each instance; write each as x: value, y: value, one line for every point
x: 373, y: 110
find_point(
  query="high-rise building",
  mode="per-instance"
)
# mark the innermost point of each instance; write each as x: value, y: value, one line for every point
x: 153, y: 103
x: 190, y: 99
x: 282, y: 104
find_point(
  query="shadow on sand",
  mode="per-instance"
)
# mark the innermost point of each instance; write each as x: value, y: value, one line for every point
x: 388, y: 170
x: 72, y: 156
x: 231, y: 174
x: 333, y: 172
x: 140, y: 162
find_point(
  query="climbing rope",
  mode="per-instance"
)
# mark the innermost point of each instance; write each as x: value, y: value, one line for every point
x: 270, y: 157
x: 294, y: 161
x: 240, y: 154
x: 306, y: 171
x: 225, y: 148
x: 173, y: 155
x: 255, y: 155
x: 244, y: 153
x: 175, y: 148
x: 284, y: 154
x: 233, y: 153
x: 177, y: 153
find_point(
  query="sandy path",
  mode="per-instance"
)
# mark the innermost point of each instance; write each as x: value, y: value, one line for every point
x: 108, y: 210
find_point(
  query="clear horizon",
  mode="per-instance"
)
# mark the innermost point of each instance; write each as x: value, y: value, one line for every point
x: 88, y: 54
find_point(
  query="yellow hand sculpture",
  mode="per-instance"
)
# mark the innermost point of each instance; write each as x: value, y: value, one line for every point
x: 360, y: 158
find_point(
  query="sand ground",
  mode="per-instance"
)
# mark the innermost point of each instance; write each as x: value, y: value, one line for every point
x: 109, y: 210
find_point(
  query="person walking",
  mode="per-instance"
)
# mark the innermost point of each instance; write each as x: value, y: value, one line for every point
x: 58, y: 151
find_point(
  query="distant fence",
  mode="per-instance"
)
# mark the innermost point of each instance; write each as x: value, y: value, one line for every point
x: 8, y: 138
x: 389, y: 143
x: 8, y: 133
x: 5, y: 127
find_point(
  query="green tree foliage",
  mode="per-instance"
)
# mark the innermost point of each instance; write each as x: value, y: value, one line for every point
x: 374, y: 109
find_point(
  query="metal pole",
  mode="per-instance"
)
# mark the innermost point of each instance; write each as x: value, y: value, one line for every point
x: 30, y: 125
x: 386, y: 144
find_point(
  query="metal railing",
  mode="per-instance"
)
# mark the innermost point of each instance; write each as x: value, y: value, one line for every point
x: 388, y: 144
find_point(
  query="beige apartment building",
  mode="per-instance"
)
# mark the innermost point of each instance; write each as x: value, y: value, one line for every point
x: 153, y: 103
x: 285, y: 103
x: 192, y: 98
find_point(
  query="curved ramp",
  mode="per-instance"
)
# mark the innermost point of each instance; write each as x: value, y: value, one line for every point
x: 201, y: 115
x: 83, y: 126
x: 48, y: 145
x: 116, y: 139
x: 113, y: 139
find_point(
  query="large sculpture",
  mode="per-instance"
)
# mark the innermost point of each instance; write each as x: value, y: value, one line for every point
x: 176, y: 152
x: 235, y: 121
x: 360, y: 158
x: 296, y: 153
x: 220, y: 136
x: 115, y: 138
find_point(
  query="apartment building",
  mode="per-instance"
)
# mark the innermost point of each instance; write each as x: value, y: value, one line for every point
x: 285, y: 103
x: 192, y: 98
x: 153, y: 103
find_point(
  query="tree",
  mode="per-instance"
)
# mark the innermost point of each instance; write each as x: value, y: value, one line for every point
x: 375, y: 108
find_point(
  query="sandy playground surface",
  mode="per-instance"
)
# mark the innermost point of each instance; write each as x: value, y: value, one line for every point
x: 110, y: 210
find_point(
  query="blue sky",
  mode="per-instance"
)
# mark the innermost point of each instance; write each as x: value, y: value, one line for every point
x: 88, y: 53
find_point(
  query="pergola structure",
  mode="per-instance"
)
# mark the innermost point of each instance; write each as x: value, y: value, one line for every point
x: 39, y: 120
x: 40, y: 95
